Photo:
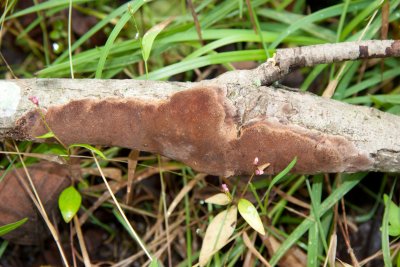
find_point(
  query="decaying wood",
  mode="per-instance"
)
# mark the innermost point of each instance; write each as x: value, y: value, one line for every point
x: 217, y: 126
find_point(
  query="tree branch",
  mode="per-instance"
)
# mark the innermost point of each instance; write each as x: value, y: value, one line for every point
x: 217, y: 126
x: 288, y: 59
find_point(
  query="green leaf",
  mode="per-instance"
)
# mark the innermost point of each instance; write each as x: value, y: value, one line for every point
x: 250, y: 215
x: 217, y: 234
x: 219, y: 199
x: 278, y: 178
x: 398, y: 260
x: 69, y: 203
x: 46, y: 135
x: 394, y: 216
x: 155, y: 263
x: 3, y: 247
x: 91, y: 148
x: 11, y: 226
x: 150, y: 35
x: 282, y: 174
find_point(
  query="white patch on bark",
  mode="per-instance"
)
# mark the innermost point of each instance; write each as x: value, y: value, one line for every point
x: 10, y: 95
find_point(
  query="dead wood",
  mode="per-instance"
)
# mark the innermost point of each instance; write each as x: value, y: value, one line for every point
x: 217, y: 126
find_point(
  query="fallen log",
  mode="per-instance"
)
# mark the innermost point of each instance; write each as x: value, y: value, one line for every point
x: 217, y: 126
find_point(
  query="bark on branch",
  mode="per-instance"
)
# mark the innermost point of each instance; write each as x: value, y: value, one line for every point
x: 286, y: 60
x: 217, y: 126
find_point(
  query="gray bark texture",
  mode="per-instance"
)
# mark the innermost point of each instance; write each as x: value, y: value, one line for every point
x: 216, y: 126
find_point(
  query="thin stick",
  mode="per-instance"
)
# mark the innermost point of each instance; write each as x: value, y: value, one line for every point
x: 247, y: 185
x: 81, y: 240
x: 251, y: 14
x: 345, y: 232
x: 184, y: 192
x: 120, y: 209
x: 132, y: 163
x: 196, y: 21
x: 71, y: 241
x: 42, y: 210
x: 253, y: 250
x: 164, y: 203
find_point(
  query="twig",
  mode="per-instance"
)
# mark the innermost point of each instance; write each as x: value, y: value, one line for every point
x: 85, y: 254
x: 288, y: 59
x: 132, y: 163
x: 250, y: 246
x: 133, y: 232
x: 164, y: 208
x: 196, y: 21
x: 41, y: 208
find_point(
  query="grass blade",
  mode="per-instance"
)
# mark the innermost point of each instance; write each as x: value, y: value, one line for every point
x: 385, y: 229
x: 313, y: 233
x: 12, y: 226
x: 89, y: 147
x: 317, y: 16
x: 110, y: 41
x: 46, y: 5
x: 278, y: 179
x: 220, y: 58
x: 349, y: 181
x: 93, y: 30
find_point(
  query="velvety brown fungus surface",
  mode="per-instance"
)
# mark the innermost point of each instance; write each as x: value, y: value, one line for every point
x: 200, y: 128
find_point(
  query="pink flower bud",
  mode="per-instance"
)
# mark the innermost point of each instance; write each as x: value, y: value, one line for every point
x: 34, y: 100
x: 259, y: 172
x: 255, y: 162
x: 225, y: 188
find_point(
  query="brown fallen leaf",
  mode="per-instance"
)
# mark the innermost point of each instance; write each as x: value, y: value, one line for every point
x: 219, y: 199
x: 293, y: 258
x: 217, y: 234
x: 49, y: 179
x: 253, y: 250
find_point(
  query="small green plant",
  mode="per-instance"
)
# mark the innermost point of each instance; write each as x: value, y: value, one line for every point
x: 223, y: 225
x: 148, y: 40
